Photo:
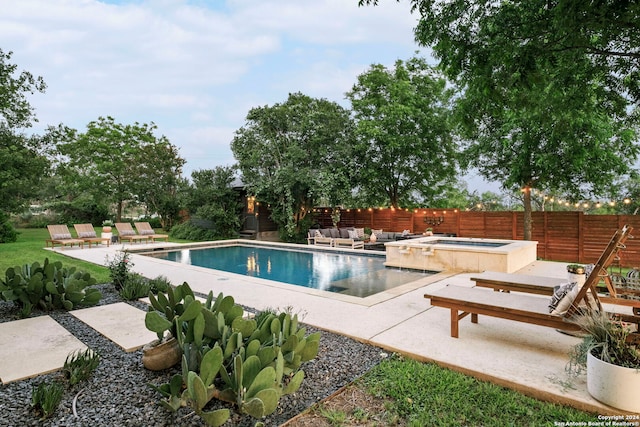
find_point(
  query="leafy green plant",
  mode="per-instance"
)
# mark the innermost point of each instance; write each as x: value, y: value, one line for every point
x: 46, y: 397
x: 79, y: 365
x: 119, y: 267
x: 159, y: 284
x: 50, y: 286
x: 136, y: 286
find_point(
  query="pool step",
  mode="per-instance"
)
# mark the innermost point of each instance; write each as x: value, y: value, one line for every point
x: 248, y: 234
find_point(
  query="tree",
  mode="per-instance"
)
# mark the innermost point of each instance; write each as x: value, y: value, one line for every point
x: 22, y: 165
x: 577, y: 138
x: 403, y: 127
x: 294, y: 153
x: 118, y: 163
x: 159, y: 177
x: 15, y: 110
x: 212, y: 198
x: 547, y: 88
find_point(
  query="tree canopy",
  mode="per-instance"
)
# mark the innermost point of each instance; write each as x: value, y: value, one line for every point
x: 405, y: 143
x: 293, y: 153
x: 22, y: 166
x: 481, y: 36
x: 120, y: 163
x: 15, y: 109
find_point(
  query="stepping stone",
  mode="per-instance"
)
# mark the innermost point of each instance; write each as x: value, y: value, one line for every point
x: 34, y: 346
x: 120, y: 322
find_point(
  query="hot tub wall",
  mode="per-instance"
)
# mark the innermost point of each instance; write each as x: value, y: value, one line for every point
x: 422, y: 256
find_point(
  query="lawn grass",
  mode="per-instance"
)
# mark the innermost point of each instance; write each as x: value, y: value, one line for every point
x: 425, y: 394
x: 30, y: 248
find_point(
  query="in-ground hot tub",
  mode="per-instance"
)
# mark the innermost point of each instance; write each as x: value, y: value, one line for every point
x: 461, y: 254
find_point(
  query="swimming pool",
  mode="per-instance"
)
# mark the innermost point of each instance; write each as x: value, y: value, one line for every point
x: 339, y: 272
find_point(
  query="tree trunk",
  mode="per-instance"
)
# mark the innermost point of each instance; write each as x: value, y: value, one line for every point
x: 527, y: 213
x: 119, y: 211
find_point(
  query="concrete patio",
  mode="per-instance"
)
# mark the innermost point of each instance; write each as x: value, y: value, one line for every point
x: 524, y: 357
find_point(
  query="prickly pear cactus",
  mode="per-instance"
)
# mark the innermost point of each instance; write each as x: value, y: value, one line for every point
x: 50, y: 286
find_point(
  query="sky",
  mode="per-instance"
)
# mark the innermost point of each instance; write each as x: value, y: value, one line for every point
x: 195, y: 68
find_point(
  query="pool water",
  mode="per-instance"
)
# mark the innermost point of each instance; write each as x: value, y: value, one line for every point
x: 355, y: 275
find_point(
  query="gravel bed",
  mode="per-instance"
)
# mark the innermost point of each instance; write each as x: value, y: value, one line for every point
x: 118, y: 394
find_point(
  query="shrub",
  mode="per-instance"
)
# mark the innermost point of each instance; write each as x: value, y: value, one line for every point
x: 79, y: 365
x: 159, y: 284
x: 46, y: 397
x: 135, y: 286
x: 119, y: 268
x: 8, y: 234
x: 189, y: 231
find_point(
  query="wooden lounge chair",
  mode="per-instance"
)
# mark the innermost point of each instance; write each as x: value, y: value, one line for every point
x: 127, y: 233
x: 87, y: 233
x: 462, y: 301
x: 348, y: 243
x: 61, y: 235
x: 145, y: 229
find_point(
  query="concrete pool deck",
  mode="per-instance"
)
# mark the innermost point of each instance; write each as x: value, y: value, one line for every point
x: 524, y: 357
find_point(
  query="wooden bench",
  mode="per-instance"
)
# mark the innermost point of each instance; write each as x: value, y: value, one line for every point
x: 462, y: 301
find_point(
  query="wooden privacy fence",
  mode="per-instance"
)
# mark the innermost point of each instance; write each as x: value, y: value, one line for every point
x: 561, y: 236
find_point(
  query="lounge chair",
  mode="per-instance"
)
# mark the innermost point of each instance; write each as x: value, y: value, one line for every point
x: 533, y: 309
x: 145, y: 229
x: 127, y: 233
x: 61, y: 235
x: 87, y: 233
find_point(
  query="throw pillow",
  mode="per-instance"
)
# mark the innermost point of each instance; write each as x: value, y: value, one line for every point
x: 360, y: 232
x: 61, y: 236
x: 147, y: 232
x: 353, y: 234
x: 562, y: 298
x: 376, y: 232
x: 87, y: 234
x: 127, y: 233
x: 318, y: 234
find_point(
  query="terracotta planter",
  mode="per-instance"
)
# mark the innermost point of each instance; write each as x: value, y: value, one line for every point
x: 613, y: 385
x: 106, y: 229
x: 157, y: 355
